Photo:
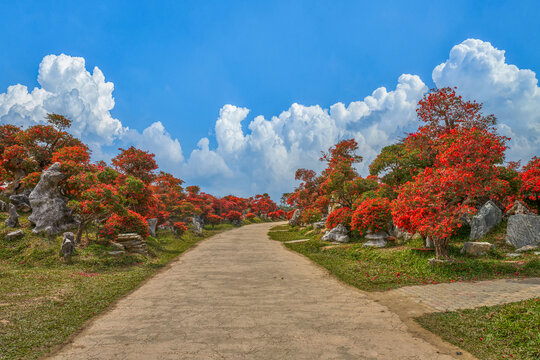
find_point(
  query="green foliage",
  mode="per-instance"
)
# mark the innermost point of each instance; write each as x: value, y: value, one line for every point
x: 494, y: 332
x: 392, y: 267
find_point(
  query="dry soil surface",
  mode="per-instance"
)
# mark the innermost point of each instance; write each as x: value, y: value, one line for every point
x: 239, y: 295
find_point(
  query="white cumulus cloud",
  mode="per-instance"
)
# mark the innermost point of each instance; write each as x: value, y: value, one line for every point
x: 67, y: 88
x: 480, y: 72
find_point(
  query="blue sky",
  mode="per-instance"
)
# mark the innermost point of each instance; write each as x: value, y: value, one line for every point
x: 180, y: 62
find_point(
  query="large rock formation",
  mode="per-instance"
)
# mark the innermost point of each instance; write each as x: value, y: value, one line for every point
x: 337, y: 234
x: 295, y: 219
x: 523, y: 230
x: 49, y: 207
x: 487, y: 218
x: 13, y: 219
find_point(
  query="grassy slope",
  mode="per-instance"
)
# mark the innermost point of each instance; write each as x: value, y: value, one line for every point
x: 510, y: 331
x: 401, y: 265
x: 43, y: 300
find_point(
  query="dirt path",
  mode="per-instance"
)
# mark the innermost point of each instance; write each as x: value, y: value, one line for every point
x: 239, y: 295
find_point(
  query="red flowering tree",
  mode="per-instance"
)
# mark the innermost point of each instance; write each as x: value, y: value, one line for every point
x: 530, y: 183
x: 214, y: 219
x: 233, y: 215
x: 137, y: 163
x: 464, y: 176
x: 372, y: 214
x: 250, y: 216
x: 340, y: 171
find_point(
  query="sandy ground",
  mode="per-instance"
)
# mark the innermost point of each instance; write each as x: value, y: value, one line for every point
x: 239, y: 295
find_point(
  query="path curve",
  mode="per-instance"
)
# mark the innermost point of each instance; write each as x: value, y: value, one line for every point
x: 239, y: 295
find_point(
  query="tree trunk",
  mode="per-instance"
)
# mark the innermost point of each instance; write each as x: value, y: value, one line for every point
x: 441, y: 248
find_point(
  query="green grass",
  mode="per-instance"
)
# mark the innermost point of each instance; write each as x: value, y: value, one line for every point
x: 401, y: 265
x: 510, y: 331
x: 43, y: 300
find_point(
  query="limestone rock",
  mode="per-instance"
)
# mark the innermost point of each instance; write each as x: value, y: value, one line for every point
x: 152, y: 223
x: 401, y: 234
x: 197, y: 225
x: 319, y: 225
x: 118, y: 246
x: 133, y: 243
x: 295, y: 219
x: 13, y: 219
x: 476, y: 248
x: 518, y: 208
x: 522, y: 249
x: 428, y: 243
x: 68, y: 249
x: 116, y: 253
x: 68, y: 235
x: 15, y: 235
x: 376, y: 240
x: 337, y: 234
x: 487, y: 218
x: 49, y: 207
x: 513, y: 255
x: 523, y: 230
x: 3, y: 206
x: 21, y: 202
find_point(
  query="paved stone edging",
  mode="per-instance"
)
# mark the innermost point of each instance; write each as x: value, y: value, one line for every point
x: 467, y: 295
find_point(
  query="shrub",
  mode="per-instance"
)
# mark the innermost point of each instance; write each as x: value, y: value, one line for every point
x: 311, y: 215
x: 249, y: 216
x: 372, y: 214
x: 233, y: 216
x: 180, y: 228
x: 339, y: 216
x: 131, y: 222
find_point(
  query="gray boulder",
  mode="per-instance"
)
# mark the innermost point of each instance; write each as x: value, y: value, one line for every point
x: 21, y: 202
x: 376, y: 240
x: 428, y: 243
x: 295, y: 219
x: 13, y: 219
x: 401, y: 234
x: 523, y: 230
x: 197, y: 225
x: 15, y: 235
x: 133, y: 243
x: 68, y: 235
x: 49, y: 207
x: 476, y: 248
x: 487, y: 218
x: 68, y: 249
x: 319, y: 225
x: 152, y: 223
x: 337, y: 234
x: 3, y: 206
